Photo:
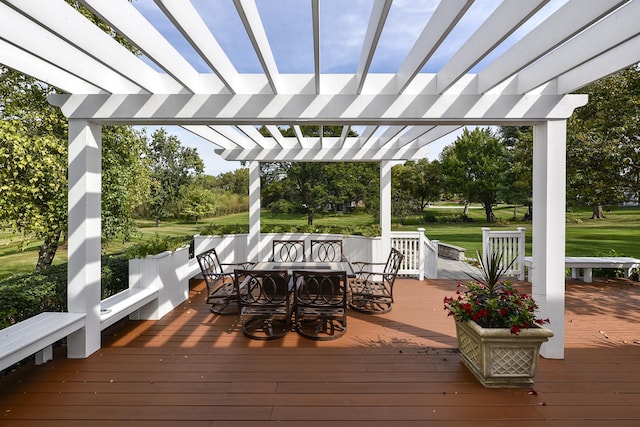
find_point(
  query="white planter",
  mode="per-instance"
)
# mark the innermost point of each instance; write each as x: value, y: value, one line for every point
x: 498, y: 358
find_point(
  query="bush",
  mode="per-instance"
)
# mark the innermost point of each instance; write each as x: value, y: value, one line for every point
x: 157, y: 245
x: 27, y: 294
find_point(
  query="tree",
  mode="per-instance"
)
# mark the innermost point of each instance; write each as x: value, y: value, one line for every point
x: 420, y: 182
x: 476, y: 167
x: 602, y: 144
x: 125, y: 180
x: 518, y: 141
x: 33, y: 181
x: 172, y: 166
x: 316, y: 186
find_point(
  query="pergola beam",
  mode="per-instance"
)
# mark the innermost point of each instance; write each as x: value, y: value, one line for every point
x: 126, y: 19
x: 501, y: 23
x: 186, y: 19
x: 248, y: 12
x: 569, y: 20
x: 617, y: 28
x: 320, y: 109
x: 378, y: 17
x: 443, y: 20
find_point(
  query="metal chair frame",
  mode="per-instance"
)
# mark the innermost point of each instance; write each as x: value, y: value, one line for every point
x: 327, y: 251
x: 320, y: 304
x: 264, y: 298
x: 221, y: 293
x: 288, y: 251
x: 371, y: 291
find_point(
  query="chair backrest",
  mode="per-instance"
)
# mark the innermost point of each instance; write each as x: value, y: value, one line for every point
x: 262, y: 288
x: 209, y: 264
x: 288, y: 251
x: 326, y: 251
x: 393, y: 265
x: 322, y: 289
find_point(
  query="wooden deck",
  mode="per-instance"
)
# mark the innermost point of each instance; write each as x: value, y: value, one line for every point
x: 195, y: 369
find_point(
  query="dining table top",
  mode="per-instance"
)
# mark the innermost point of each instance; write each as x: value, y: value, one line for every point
x: 306, y: 265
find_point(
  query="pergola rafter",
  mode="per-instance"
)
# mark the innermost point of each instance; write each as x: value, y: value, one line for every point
x: 556, y: 47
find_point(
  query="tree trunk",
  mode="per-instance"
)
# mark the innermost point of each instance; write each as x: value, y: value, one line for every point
x: 598, y: 213
x: 465, y: 211
x: 488, y: 211
x: 47, y: 252
x: 515, y: 211
x: 157, y: 222
x: 309, y: 216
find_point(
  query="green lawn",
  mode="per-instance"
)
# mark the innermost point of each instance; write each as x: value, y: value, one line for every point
x: 618, y: 233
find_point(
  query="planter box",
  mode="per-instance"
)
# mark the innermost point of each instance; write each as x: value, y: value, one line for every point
x: 498, y: 358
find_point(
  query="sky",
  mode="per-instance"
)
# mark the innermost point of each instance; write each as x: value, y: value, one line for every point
x: 342, y: 29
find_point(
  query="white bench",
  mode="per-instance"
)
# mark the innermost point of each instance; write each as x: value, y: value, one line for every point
x: 588, y: 263
x: 37, y: 335
x: 124, y: 303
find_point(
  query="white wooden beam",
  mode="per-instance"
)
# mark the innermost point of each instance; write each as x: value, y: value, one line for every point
x: 23, y: 61
x: 548, y: 244
x: 320, y: 109
x: 622, y: 56
x: 185, y: 17
x: 559, y: 27
x: 615, y: 29
x: 378, y: 17
x: 344, y: 134
x: 390, y: 133
x: 84, y: 238
x: 211, y: 135
x: 51, y: 48
x: 413, y: 134
x: 444, y: 18
x: 508, y: 16
x: 318, y: 154
x: 248, y: 12
x: 315, y: 16
x: 126, y: 19
x: 253, y: 133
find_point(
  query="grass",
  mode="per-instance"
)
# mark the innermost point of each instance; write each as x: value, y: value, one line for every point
x: 617, y: 234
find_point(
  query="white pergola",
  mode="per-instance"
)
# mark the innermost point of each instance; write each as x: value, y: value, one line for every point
x: 529, y: 83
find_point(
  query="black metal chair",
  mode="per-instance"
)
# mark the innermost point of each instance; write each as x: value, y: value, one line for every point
x: 221, y: 293
x: 288, y: 251
x: 327, y: 251
x: 320, y: 304
x: 372, y: 291
x: 264, y: 298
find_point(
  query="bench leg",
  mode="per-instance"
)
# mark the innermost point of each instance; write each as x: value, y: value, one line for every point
x: 575, y: 273
x: 588, y: 275
x: 44, y: 355
x: 627, y: 272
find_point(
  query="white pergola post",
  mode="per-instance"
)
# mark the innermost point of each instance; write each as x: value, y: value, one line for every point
x: 385, y: 207
x: 254, y: 211
x: 549, y: 186
x: 85, y: 228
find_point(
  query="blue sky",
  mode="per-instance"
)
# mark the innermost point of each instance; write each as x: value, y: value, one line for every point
x: 342, y: 29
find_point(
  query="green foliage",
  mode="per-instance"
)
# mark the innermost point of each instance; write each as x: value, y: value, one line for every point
x: 27, y: 294
x: 477, y: 167
x: 172, y: 167
x: 355, y: 230
x: 603, y: 160
x: 157, y: 244
x: 491, y: 302
x: 415, y: 185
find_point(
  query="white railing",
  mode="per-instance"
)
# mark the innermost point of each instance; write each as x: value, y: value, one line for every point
x: 420, y: 253
x: 511, y: 244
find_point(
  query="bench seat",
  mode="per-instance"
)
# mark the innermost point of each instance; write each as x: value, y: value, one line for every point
x: 122, y: 304
x: 588, y: 263
x: 37, y: 335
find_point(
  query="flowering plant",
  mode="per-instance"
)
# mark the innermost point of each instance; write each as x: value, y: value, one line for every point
x: 492, y: 302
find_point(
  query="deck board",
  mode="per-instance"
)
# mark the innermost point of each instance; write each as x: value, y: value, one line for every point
x: 195, y: 369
